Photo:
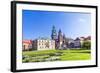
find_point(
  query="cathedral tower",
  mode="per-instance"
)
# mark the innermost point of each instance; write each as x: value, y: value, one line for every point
x: 60, y: 39
x: 53, y: 34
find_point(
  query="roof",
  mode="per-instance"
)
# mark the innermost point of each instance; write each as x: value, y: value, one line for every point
x: 77, y: 39
x: 27, y: 41
x: 43, y: 38
x: 88, y: 38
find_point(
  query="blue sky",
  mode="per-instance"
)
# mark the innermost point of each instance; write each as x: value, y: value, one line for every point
x: 39, y: 23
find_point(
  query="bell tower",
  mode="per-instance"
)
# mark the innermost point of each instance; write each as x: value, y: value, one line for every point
x: 60, y: 39
x: 54, y: 33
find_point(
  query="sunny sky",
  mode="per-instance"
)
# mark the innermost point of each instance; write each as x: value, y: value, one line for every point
x: 39, y: 23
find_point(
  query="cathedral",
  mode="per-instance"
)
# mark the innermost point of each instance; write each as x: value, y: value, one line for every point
x: 60, y: 39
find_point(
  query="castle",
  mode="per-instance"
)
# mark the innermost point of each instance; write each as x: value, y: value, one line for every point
x: 60, y: 39
x: 57, y: 41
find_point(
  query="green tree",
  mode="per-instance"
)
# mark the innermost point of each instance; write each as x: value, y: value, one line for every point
x: 86, y: 45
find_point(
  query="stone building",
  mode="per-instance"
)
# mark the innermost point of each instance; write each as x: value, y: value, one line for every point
x: 77, y: 43
x: 43, y: 44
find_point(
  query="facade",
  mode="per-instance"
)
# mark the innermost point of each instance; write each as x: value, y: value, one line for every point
x: 77, y: 43
x: 82, y: 40
x: 74, y: 43
x: 27, y: 45
x: 43, y: 44
x: 71, y: 43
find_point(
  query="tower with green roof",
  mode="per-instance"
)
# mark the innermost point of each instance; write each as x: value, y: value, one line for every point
x: 54, y: 33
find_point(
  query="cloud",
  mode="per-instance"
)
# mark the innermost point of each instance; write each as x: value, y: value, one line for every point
x: 81, y: 20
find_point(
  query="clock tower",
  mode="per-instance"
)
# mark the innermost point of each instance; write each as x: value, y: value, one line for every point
x: 54, y: 33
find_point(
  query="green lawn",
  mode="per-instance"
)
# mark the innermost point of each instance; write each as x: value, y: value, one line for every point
x: 54, y: 55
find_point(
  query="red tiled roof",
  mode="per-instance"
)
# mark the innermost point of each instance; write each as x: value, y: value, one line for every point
x: 27, y: 41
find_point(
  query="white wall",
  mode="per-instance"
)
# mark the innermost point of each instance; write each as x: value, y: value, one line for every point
x: 5, y: 37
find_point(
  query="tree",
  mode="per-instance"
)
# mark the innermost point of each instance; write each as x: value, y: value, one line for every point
x: 86, y: 45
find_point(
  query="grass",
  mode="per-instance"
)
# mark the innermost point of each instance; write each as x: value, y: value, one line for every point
x: 64, y: 55
x: 75, y: 56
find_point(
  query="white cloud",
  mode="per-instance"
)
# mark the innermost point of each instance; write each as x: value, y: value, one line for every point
x: 81, y: 20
